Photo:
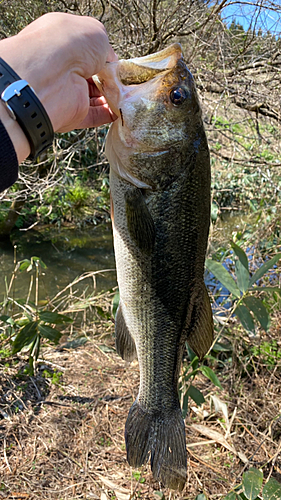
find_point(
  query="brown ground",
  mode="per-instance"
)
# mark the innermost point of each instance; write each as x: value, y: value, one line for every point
x: 63, y: 437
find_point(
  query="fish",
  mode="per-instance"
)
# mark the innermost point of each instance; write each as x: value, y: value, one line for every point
x: 160, y: 207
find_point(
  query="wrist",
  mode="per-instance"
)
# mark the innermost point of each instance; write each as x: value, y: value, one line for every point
x: 24, y: 107
x: 16, y: 134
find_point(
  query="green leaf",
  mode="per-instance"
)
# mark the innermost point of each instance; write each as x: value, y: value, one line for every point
x: 37, y: 259
x: 217, y: 269
x: 159, y: 494
x: 24, y: 264
x: 252, y: 483
x: 201, y: 496
x: 264, y: 268
x: 196, y: 395
x: 231, y: 496
x: 50, y: 333
x: 240, y: 254
x: 106, y: 348
x: 214, y: 211
x: 23, y: 321
x: 54, y: 317
x: 25, y: 336
x: 272, y: 490
x: 259, y: 310
x: 208, y: 372
x: 241, y: 267
x: 184, y: 405
x: 243, y: 313
x: 242, y: 275
x: 35, y: 349
x: 115, y: 303
x: 220, y: 347
x: 191, y: 353
x: 5, y: 318
x: 73, y: 344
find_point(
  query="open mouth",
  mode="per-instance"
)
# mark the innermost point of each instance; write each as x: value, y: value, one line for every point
x: 142, y: 69
x: 118, y: 78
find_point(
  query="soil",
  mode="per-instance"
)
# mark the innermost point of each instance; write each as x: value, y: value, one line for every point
x: 62, y: 431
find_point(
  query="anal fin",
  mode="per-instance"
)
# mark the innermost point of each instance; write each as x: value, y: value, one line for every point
x: 124, y: 341
x: 200, y: 333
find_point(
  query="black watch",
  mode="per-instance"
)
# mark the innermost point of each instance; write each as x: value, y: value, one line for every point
x: 24, y: 106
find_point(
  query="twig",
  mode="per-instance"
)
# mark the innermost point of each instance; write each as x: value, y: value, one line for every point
x: 5, y: 456
x: 260, y: 446
x: 273, y: 460
x: 40, y: 360
x: 36, y: 388
x: 203, y: 463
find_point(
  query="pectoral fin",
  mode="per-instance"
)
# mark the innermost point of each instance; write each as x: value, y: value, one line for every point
x: 125, y: 344
x: 140, y: 223
x: 200, y: 327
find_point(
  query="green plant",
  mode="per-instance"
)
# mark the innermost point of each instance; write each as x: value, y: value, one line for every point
x: 138, y: 477
x: 186, y: 388
x: 251, y: 486
x: 29, y: 324
x: 267, y: 352
x: 246, y: 305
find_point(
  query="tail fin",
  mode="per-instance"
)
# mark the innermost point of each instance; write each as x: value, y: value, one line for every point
x: 163, y: 435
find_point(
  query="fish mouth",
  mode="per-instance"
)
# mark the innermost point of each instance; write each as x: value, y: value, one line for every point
x: 138, y: 91
x: 119, y: 78
x: 142, y: 69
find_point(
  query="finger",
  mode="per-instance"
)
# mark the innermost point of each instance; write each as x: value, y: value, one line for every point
x: 98, y: 115
x: 111, y: 55
x: 93, y: 89
x: 98, y: 101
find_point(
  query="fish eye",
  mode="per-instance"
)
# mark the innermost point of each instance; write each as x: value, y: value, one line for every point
x: 178, y: 96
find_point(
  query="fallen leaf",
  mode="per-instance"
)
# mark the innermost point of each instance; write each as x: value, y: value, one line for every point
x: 214, y: 435
x: 120, y: 492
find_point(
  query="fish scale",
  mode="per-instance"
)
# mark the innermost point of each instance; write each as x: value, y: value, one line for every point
x: 160, y: 190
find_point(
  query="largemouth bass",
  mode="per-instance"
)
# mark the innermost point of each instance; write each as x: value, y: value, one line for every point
x: 160, y: 190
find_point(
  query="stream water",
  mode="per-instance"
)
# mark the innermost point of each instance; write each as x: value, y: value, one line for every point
x: 68, y: 253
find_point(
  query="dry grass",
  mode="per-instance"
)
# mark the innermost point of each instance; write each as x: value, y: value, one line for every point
x: 63, y: 437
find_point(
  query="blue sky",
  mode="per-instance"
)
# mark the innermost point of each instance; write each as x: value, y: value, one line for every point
x: 245, y: 13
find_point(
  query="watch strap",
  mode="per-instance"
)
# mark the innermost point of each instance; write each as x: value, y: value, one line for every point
x: 24, y: 106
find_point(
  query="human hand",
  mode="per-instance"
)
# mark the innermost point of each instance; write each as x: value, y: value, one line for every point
x: 57, y: 54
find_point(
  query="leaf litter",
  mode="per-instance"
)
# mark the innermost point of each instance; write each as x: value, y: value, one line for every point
x: 62, y: 437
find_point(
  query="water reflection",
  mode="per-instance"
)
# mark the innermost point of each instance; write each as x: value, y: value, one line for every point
x: 67, y: 253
